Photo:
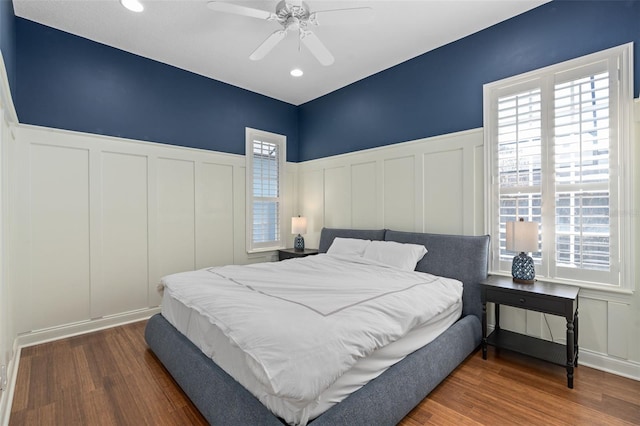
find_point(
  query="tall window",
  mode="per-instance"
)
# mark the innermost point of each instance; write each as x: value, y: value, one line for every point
x: 265, y: 154
x: 558, y: 152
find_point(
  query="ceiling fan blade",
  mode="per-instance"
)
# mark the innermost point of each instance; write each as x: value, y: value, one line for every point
x: 220, y: 6
x: 316, y: 47
x: 356, y: 15
x: 267, y: 45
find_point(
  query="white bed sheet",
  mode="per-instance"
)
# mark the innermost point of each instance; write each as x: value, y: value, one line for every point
x: 213, y: 342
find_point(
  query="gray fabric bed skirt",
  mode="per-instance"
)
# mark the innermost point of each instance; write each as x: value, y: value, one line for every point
x: 383, y: 401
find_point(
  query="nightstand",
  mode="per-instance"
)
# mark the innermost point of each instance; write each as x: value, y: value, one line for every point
x: 548, y: 298
x: 290, y: 253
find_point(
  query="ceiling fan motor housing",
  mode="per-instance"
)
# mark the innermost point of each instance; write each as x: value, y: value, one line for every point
x: 292, y: 16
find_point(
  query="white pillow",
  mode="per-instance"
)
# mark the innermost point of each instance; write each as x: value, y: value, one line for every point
x: 397, y: 255
x: 348, y: 246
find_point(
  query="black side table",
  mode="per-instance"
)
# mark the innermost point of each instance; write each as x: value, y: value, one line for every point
x: 290, y: 253
x: 548, y: 298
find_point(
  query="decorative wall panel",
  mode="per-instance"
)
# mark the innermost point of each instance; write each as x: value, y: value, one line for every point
x: 214, y: 211
x: 176, y: 216
x: 399, y: 183
x: 121, y: 284
x: 444, y: 200
x: 364, y: 195
x: 58, y: 195
x: 337, y: 197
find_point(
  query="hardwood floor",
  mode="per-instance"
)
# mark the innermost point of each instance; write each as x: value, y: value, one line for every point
x: 111, y: 378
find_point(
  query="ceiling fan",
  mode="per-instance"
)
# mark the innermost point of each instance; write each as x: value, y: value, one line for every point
x: 294, y: 15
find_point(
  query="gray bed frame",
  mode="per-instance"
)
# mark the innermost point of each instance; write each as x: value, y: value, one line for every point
x: 384, y: 400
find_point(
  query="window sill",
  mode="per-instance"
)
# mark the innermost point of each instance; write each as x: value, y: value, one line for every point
x: 265, y: 249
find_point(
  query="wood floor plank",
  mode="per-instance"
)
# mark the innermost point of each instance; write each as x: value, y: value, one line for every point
x: 69, y: 409
x: 41, y: 382
x: 110, y: 378
x: 21, y: 390
x: 86, y: 383
x: 444, y: 415
x: 97, y: 410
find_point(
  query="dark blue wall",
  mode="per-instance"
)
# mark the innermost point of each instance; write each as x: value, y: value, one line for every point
x: 441, y: 91
x: 68, y: 82
x: 7, y: 41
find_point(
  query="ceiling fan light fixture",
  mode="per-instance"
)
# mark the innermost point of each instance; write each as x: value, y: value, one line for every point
x: 296, y: 72
x: 132, y: 5
x: 293, y: 16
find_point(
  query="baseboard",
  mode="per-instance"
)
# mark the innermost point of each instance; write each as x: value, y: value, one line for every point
x: 69, y: 330
x: 57, y: 333
x: 603, y: 362
x: 620, y: 367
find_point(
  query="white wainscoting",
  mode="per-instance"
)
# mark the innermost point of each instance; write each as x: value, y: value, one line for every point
x: 99, y: 220
x: 8, y: 359
x: 428, y: 185
x: 436, y: 185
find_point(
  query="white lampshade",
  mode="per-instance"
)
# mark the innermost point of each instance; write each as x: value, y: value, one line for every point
x: 298, y: 225
x: 522, y: 236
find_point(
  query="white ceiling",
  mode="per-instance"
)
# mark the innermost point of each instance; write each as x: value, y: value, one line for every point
x: 188, y: 35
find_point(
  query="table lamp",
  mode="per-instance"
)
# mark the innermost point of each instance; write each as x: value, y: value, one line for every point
x: 298, y: 226
x: 523, y: 237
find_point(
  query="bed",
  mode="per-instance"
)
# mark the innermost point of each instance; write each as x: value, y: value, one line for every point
x: 384, y: 400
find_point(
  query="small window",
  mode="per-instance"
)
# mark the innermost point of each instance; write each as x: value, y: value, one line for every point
x: 265, y: 156
x: 558, y: 153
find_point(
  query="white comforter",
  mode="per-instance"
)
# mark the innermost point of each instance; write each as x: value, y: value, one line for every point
x: 302, y: 323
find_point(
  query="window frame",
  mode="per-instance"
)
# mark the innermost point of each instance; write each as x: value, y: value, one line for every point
x: 252, y: 135
x: 619, y: 63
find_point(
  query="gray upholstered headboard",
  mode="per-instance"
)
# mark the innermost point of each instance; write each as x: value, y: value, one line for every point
x: 464, y: 258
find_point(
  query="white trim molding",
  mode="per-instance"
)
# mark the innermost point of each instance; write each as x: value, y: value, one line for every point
x: 83, y: 327
x: 8, y: 357
x: 613, y: 365
x: 6, y: 101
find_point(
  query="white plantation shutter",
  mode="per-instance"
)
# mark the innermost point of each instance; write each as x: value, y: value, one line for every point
x: 265, y: 161
x: 582, y: 173
x: 557, y: 149
x: 519, y: 156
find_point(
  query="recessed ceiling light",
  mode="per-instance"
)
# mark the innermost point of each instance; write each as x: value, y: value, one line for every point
x: 296, y: 72
x: 132, y: 5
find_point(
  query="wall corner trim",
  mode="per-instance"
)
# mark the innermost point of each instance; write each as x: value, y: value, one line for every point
x: 6, y: 102
x: 6, y: 399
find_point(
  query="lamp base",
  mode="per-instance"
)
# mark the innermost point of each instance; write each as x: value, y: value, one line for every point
x: 522, y: 269
x: 298, y: 243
